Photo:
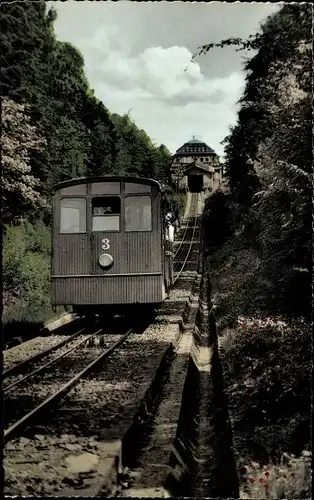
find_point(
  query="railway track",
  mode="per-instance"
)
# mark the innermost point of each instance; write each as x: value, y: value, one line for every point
x: 183, y: 251
x: 17, y: 379
x: 17, y: 417
x: 28, y: 362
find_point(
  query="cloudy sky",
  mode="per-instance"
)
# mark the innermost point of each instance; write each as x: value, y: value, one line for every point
x: 137, y: 59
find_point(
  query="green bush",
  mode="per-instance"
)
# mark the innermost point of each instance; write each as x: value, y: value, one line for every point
x: 26, y: 271
x: 38, y: 237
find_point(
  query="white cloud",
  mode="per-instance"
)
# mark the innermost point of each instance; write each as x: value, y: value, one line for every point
x: 164, y: 74
x: 142, y: 61
x: 168, y: 94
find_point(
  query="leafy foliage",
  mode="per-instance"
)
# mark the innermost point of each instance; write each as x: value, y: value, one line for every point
x: 20, y: 189
x: 26, y: 263
x: 136, y: 154
x: 27, y: 42
x: 269, y: 400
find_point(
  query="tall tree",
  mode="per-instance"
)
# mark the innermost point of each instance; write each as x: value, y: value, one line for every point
x: 102, y: 137
x: 27, y: 40
x: 136, y: 153
x: 67, y: 136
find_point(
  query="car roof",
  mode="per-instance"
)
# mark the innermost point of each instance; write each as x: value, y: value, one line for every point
x: 107, y: 178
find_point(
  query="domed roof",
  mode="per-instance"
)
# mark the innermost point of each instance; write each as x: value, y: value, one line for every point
x: 194, y: 146
x: 194, y: 141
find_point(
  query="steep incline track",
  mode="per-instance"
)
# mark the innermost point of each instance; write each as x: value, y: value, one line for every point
x: 183, y: 251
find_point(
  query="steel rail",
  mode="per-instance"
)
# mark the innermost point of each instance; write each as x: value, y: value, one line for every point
x: 43, y: 367
x: 182, y: 254
x: 182, y: 250
x: 187, y: 255
x: 183, y: 237
x: 40, y: 355
x: 54, y: 398
x: 190, y: 246
x: 189, y: 227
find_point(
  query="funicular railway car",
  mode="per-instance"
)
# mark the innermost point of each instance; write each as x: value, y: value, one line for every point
x: 109, y: 247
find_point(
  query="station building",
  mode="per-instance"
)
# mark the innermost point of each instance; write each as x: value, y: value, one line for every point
x: 196, y: 167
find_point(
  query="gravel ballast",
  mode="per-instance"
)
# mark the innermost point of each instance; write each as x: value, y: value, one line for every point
x: 17, y: 354
x: 100, y: 409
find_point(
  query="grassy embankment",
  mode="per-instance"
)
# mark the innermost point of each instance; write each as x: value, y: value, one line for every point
x: 267, y: 375
x: 26, y: 278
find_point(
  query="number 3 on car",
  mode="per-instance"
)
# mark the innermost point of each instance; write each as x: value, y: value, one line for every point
x: 105, y: 244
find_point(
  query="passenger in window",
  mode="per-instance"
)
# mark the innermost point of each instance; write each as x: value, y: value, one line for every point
x: 168, y: 218
x: 176, y: 220
x: 176, y: 227
x: 169, y: 227
x: 171, y: 233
